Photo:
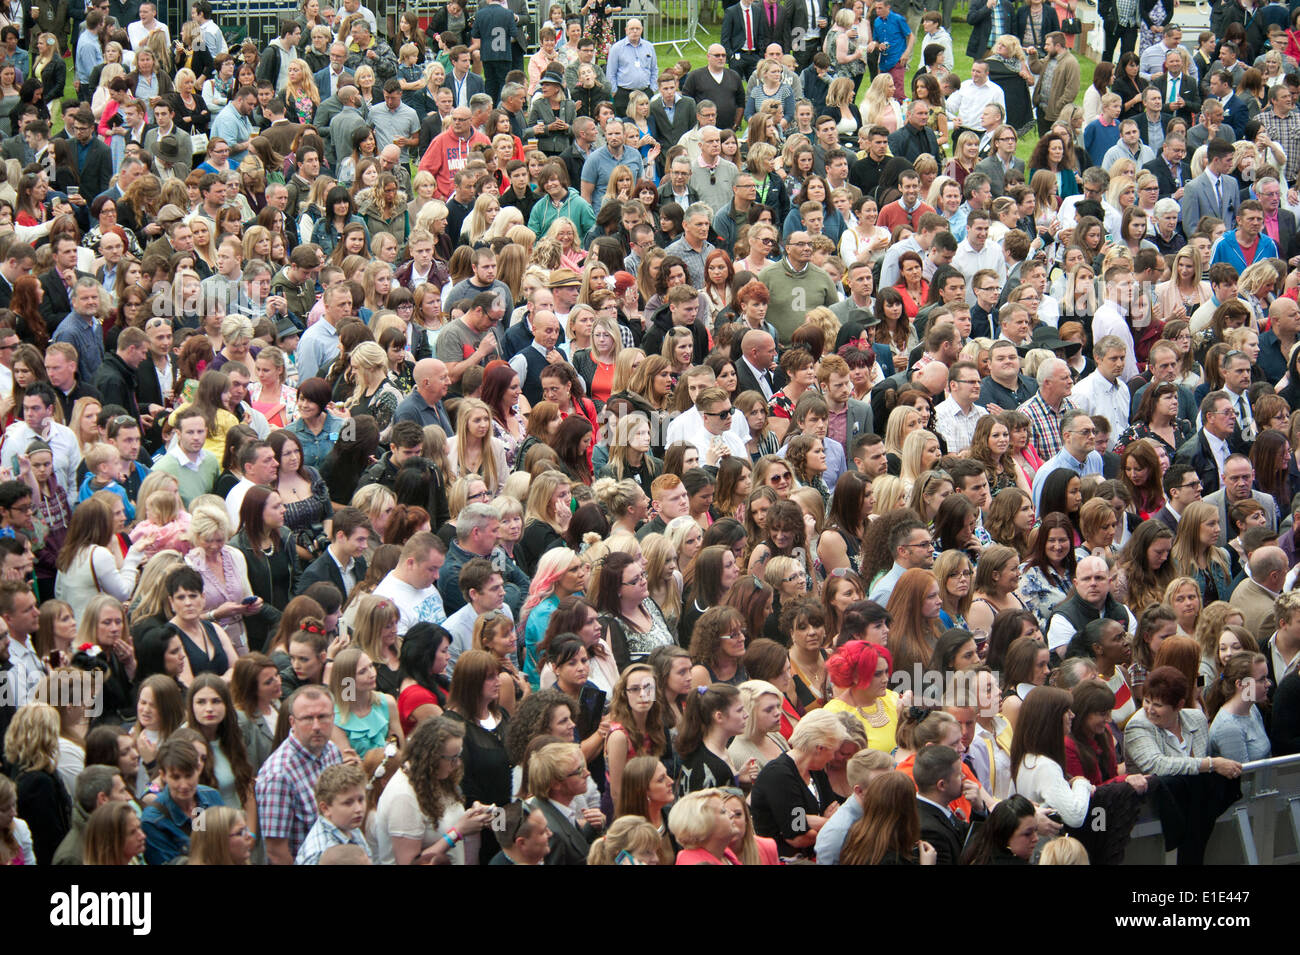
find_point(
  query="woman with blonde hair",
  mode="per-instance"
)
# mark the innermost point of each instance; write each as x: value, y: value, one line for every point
x: 546, y: 518
x: 920, y: 452
x: 373, y: 393
x: 31, y: 747
x: 301, y: 96
x: 1197, y: 554
x: 473, y: 449
x: 964, y: 157
x: 223, y: 838
x: 879, y: 107
x: 480, y: 218
x: 564, y: 233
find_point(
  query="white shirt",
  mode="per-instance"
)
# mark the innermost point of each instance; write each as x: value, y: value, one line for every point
x: 25, y: 671
x: 689, y: 427
x: 235, y: 499
x: 957, y: 427
x: 1109, y: 321
x: 760, y: 375
x: 968, y: 261
x: 461, y: 627
x: 1110, y: 399
x: 413, y: 606
x: 137, y: 33
x: 967, y: 104
x: 62, y: 442
x: 1219, y: 448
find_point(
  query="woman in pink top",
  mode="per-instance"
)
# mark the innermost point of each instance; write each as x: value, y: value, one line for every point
x: 702, y: 826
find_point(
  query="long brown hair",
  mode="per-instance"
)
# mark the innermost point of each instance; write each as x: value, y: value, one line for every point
x: 655, y: 741
x: 91, y: 525
x: 25, y: 303
x: 889, y: 821
x: 228, y: 735
x: 473, y: 668
x: 912, y: 637
x: 1040, y: 726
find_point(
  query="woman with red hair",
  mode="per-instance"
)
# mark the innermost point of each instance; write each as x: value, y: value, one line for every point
x: 25, y: 303
x: 859, y: 671
x: 751, y: 307
x: 718, y: 273
x: 915, y: 605
x: 501, y: 393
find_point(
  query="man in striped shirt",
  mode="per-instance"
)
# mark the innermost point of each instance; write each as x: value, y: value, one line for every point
x: 1044, y: 409
x: 1282, y: 123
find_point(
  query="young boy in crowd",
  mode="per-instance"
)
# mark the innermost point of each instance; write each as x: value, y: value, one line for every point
x: 341, y: 799
x: 104, y: 464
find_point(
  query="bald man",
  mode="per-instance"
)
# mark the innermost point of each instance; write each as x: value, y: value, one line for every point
x: 1255, y: 596
x: 424, y: 404
x: 1090, y: 601
x: 756, y: 370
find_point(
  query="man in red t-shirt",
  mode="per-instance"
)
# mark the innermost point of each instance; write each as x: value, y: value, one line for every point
x: 908, y: 208
x: 449, y: 151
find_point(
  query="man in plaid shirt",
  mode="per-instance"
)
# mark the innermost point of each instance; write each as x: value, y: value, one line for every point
x: 286, y: 783
x: 1045, y: 408
x: 1281, y: 122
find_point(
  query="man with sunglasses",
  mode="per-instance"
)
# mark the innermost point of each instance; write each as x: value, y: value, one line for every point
x: 711, y: 427
x: 1077, y: 453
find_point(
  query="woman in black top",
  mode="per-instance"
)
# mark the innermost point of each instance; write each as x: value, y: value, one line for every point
x: 473, y: 702
x: 1127, y: 84
x: 713, y: 715
x: 236, y: 438
x: 272, y: 559
x: 32, y: 749
x: 792, y: 794
x: 1008, y: 837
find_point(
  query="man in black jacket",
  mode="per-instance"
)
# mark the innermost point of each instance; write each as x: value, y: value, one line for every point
x: 1171, y: 169
x: 341, y: 564
x: 115, y: 378
x: 92, y: 158
x: 937, y: 773
x: 406, y: 441
x: 916, y: 138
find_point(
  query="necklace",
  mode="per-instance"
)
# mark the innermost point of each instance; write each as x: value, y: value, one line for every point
x: 878, y: 716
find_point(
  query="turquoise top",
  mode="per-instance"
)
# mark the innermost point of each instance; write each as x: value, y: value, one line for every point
x: 365, y: 732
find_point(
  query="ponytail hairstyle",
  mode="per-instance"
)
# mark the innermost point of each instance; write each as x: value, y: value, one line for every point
x: 702, y: 704
x: 1240, y: 666
x: 919, y: 727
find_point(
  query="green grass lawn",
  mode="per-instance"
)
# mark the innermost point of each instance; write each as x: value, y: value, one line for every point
x: 961, y: 64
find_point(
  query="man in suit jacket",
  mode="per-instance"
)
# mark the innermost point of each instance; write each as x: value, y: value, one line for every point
x: 1256, y: 595
x: 1218, y: 424
x: 461, y: 81
x: 744, y: 36
x: 1002, y: 160
x: 57, y: 302
x: 93, y: 161
x: 814, y: 30
x: 980, y: 19
x: 329, y: 79
x: 561, y: 778
x: 1171, y: 158
x: 1235, y: 113
x: 668, y: 131
x: 341, y: 563
x: 1214, y: 192
x: 1178, y: 90
x: 937, y: 773
x: 757, y: 352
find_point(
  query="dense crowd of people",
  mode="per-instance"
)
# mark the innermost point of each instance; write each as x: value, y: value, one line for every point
x: 417, y: 451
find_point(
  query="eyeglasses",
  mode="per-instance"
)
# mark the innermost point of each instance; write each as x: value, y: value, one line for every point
x: 927, y: 543
x: 638, y: 579
x: 1188, y: 487
x: 453, y: 758
x: 969, y: 381
x: 779, y: 478
x: 963, y: 573
x: 797, y: 576
x: 480, y: 496
x: 724, y: 414
x: 645, y: 689
x: 582, y: 770
x: 733, y: 636
x: 1086, y: 432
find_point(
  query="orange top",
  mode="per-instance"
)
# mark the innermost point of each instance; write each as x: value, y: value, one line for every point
x: 960, y: 805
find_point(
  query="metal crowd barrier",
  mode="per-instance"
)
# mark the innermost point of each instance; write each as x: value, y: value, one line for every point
x: 667, y: 23
x: 1262, y: 828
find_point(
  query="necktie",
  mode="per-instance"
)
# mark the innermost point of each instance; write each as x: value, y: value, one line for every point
x: 1247, y: 422
x: 1218, y: 194
x: 1173, y: 88
x: 1174, y: 173
x: 749, y: 30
